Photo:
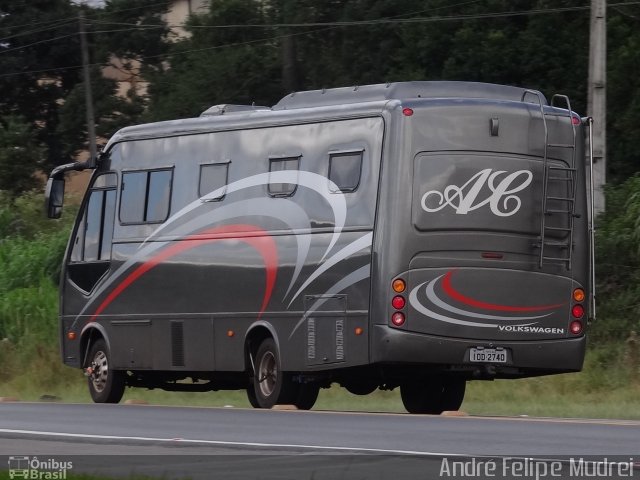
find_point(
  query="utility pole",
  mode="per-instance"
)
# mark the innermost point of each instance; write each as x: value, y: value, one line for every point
x: 91, y: 125
x: 597, y: 99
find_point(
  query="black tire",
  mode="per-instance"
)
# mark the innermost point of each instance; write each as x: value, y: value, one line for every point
x: 251, y: 395
x: 423, y: 396
x: 307, y: 396
x: 270, y: 384
x: 105, y: 385
x: 453, y: 394
x: 361, y: 387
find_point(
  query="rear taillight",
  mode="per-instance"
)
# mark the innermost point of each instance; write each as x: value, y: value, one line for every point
x: 576, y: 327
x: 577, y: 311
x: 398, y: 302
x: 399, y: 285
x: 398, y: 319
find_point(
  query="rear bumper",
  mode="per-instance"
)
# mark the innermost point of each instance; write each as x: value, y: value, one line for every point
x: 525, y: 358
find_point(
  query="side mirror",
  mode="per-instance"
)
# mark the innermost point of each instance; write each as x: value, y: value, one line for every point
x: 54, y: 197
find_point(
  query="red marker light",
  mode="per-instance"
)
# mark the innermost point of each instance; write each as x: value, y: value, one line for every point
x: 577, y: 311
x: 398, y: 302
x: 575, y: 120
x: 397, y: 319
x: 407, y: 112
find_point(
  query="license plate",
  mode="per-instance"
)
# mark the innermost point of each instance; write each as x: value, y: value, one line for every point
x: 488, y: 355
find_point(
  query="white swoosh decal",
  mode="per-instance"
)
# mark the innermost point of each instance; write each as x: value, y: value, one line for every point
x: 318, y: 183
x: 355, y: 246
x: 431, y: 295
x: 415, y: 303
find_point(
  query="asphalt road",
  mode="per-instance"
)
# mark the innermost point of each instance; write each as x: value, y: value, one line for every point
x: 177, y: 442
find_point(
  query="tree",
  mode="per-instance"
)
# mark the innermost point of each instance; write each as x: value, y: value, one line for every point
x: 139, y: 36
x: 20, y: 155
x: 112, y: 112
x: 39, y: 56
x: 41, y: 65
x: 216, y: 65
x: 623, y: 94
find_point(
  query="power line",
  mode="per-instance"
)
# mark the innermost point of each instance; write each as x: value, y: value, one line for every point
x: 21, y: 47
x: 70, y: 20
x: 332, y: 25
x: 53, y: 25
x: 389, y: 20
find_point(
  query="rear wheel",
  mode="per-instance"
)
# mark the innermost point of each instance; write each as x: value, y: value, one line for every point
x: 307, y: 396
x: 105, y: 384
x: 270, y: 384
x: 453, y: 394
x: 362, y: 387
x: 422, y: 396
x: 433, y: 395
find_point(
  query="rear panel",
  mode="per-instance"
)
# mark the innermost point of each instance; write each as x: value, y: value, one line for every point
x: 470, y: 249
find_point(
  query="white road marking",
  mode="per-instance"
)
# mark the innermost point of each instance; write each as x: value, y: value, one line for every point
x: 229, y: 443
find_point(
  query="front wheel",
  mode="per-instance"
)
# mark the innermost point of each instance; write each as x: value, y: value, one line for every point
x: 105, y: 384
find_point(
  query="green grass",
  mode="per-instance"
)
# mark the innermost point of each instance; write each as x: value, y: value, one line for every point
x: 596, y: 392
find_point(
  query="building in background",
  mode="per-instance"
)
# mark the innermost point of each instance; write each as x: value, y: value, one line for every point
x: 179, y: 13
x: 127, y: 72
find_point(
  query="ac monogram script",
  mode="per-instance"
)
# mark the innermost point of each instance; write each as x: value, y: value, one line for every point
x: 502, y: 199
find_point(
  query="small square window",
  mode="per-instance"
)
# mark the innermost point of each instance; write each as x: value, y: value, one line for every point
x: 278, y: 189
x: 345, y: 169
x: 213, y: 177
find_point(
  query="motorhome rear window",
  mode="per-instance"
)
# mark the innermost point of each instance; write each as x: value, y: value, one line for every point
x: 213, y: 177
x: 344, y: 170
x: 277, y: 188
x: 146, y: 196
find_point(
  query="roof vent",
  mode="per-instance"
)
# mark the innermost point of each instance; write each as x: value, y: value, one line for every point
x: 226, y: 109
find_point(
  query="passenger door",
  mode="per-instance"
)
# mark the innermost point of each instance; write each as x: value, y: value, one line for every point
x: 90, y: 256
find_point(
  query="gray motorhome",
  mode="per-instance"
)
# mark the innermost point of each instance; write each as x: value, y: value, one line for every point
x: 413, y: 235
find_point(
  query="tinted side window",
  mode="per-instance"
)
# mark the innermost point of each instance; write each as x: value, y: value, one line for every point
x: 134, y: 190
x: 344, y: 171
x: 93, y: 226
x: 94, y: 236
x: 213, y: 176
x: 146, y: 196
x: 158, y: 196
x: 278, y: 189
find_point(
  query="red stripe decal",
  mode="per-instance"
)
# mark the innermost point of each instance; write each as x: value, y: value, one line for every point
x: 453, y: 293
x: 254, y: 236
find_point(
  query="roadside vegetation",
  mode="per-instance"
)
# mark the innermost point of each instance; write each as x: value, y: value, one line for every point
x: 31, y: 251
